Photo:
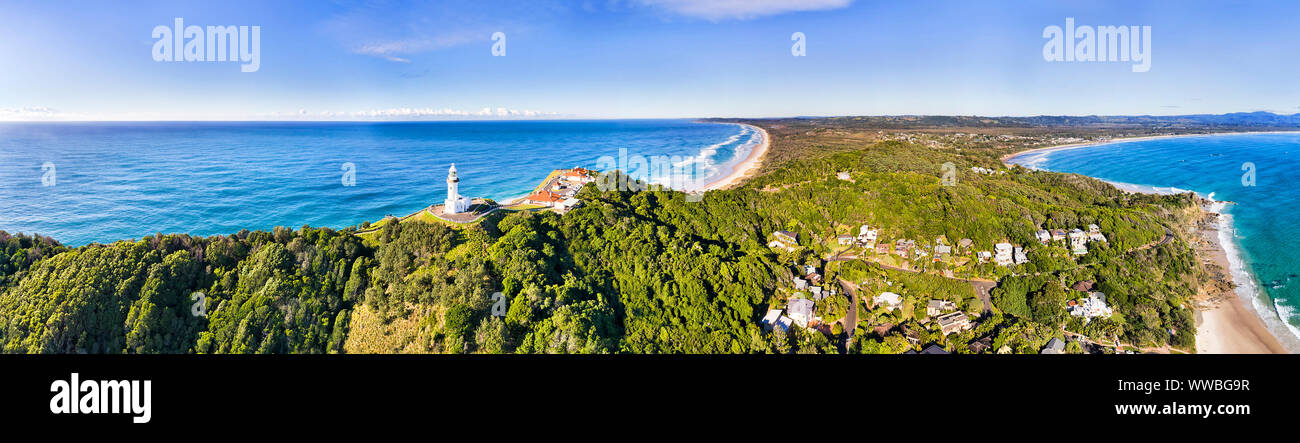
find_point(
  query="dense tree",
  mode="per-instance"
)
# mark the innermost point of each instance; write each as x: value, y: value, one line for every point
x: 629, y: 271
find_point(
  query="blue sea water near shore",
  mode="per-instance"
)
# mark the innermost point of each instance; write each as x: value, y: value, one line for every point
x: 114, y: 181
x: 1262, y: 237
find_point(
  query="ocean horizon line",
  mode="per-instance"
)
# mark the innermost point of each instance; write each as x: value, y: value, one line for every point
x: 573, y: 117
x: 213, y: 169
x: 1246, y: 280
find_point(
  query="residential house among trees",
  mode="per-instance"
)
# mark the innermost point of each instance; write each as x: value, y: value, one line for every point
x: 801, y: 311
x: 1091, y: 307
x: 867, y: 236
x: 964, y: 244
x: 785, y: 240
x: 902, y: 247
x: 1078, y: 242
x: 1094, y: 233
x: 889, y: 300
x: 774, y: 319
x: 938, y: 307
x: 954, y: 322
x: 932, y: 349
x: 942, y: 251
x: 1003, y: 254
x: 1058, y: 235
x: 1054, y: 346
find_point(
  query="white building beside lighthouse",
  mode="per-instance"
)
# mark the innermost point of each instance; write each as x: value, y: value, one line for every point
x: 454, y: 204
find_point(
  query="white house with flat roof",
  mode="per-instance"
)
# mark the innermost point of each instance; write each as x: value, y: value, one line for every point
x: 1091, y: 307
x: 801, y: 311
x: 889, y: 300
x: 1078, y: 242
x: 774, y: 319
x: 1018, y: 256
x: 867, y: 236
x: 1094, y: 233
x: 1003, y: 254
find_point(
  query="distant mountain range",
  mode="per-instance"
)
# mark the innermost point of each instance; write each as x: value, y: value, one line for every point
x: 1191, y: 121
x: 1267, y: 119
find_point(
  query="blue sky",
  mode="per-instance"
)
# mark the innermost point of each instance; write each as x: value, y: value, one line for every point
x: 323, y: 60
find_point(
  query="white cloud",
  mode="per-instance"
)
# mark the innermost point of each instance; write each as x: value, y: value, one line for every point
x: 392, y: 49
x: 33, y: 113
x: 743, y: 9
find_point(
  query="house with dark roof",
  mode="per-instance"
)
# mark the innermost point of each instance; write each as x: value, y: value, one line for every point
x: 932, y: 349
x: 1054, y: 346
x: 938, y: 307
x: 954, y: 322
x: 1058, y: 235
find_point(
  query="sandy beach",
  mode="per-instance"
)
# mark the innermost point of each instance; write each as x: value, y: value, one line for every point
x: 1005, y: 159
x: 742, y: 171
x: 746, y: 168
x: 1227, y: 324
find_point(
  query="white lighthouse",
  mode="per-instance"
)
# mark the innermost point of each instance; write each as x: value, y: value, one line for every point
x: 454, y: 204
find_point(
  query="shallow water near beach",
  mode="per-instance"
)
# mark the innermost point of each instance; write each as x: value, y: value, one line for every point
x: 114, y: 181
x: 1264, y: 236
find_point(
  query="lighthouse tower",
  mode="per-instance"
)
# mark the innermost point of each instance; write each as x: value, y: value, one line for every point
x: 454, y: 204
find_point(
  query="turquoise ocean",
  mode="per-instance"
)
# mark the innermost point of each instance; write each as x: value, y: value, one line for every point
x: 1259, y: 227
x: 100, y: 182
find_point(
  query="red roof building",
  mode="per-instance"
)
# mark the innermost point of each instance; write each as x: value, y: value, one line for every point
x: 546, y: 198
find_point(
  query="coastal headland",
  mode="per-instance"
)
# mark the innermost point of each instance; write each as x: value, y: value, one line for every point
x: 1226, y: 323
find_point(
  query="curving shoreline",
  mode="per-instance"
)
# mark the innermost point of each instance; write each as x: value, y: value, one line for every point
x: 742, y: 171
x: 1229, y: 325
x: 1006, y: 159
x: 747, y: 167
x: 1233, y: 325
